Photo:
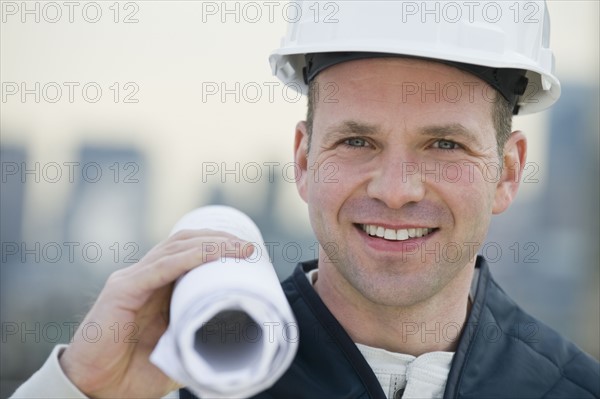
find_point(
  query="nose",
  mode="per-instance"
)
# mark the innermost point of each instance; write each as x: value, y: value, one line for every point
x: 396, y: 182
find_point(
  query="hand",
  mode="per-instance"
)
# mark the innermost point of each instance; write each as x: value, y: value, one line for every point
x: 139, y: 295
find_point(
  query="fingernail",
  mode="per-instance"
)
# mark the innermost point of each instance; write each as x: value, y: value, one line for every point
x: 248, y: 249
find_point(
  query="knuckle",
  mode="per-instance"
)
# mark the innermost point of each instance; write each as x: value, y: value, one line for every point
x: 182, y: 234
x: 172, y: 247
x: 116, y: 278
x: 191, y: 233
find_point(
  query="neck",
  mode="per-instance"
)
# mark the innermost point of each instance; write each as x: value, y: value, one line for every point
x: 430, y: 325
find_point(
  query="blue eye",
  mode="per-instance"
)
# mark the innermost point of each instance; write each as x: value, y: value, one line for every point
x: 356, y: 142
x: 446, y: 145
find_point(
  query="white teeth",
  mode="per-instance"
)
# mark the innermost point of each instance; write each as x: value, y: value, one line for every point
x: 402, y: 234
x: 395, y: 235
x: 390, y: 234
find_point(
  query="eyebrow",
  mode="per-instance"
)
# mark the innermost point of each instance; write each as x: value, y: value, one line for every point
x: 450, y: 130
x: 351, y: 128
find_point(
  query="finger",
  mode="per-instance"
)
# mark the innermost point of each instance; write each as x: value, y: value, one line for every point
x: 170, y: 267
x: 187, y: 239
x: 194, y: 233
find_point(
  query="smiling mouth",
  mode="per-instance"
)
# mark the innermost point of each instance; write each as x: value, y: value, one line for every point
x: 395, y: 235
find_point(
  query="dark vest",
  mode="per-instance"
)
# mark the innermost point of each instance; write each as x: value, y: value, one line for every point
x: 502, y: 353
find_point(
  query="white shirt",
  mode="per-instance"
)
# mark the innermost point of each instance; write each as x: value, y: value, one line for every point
x: 402, y: 375
x: 407, y: 376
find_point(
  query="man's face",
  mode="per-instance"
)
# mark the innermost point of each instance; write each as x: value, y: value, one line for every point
x: 421, y: 170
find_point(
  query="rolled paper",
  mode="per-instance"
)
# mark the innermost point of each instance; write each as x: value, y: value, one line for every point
x: 232, y: 333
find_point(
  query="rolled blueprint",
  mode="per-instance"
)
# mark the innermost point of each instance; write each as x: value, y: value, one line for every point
x: 232, y: 332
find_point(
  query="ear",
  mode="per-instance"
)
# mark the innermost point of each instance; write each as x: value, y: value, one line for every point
x: 301, y: 159
x: 515, y: 156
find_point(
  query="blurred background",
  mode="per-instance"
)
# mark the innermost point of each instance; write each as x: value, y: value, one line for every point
x: 119, y: 117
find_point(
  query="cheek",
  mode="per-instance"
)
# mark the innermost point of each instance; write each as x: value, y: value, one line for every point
x: 325, y: 193
x: 469, y: 178
x: 330, y: 184
x: 469, y: 192
x: 330, y: 177
x: 322, y: 193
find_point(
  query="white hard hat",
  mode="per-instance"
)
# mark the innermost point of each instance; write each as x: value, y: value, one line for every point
x: 506, y: 38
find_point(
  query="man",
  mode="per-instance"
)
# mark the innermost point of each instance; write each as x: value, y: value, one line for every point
x: 398, y: 242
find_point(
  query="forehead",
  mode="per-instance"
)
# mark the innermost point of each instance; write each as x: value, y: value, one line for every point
x: 403, y: 91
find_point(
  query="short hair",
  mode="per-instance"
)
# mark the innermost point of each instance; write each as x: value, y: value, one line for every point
x: 501, y: 117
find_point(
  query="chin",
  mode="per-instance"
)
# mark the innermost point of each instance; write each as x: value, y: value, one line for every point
x: 393, y: 290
